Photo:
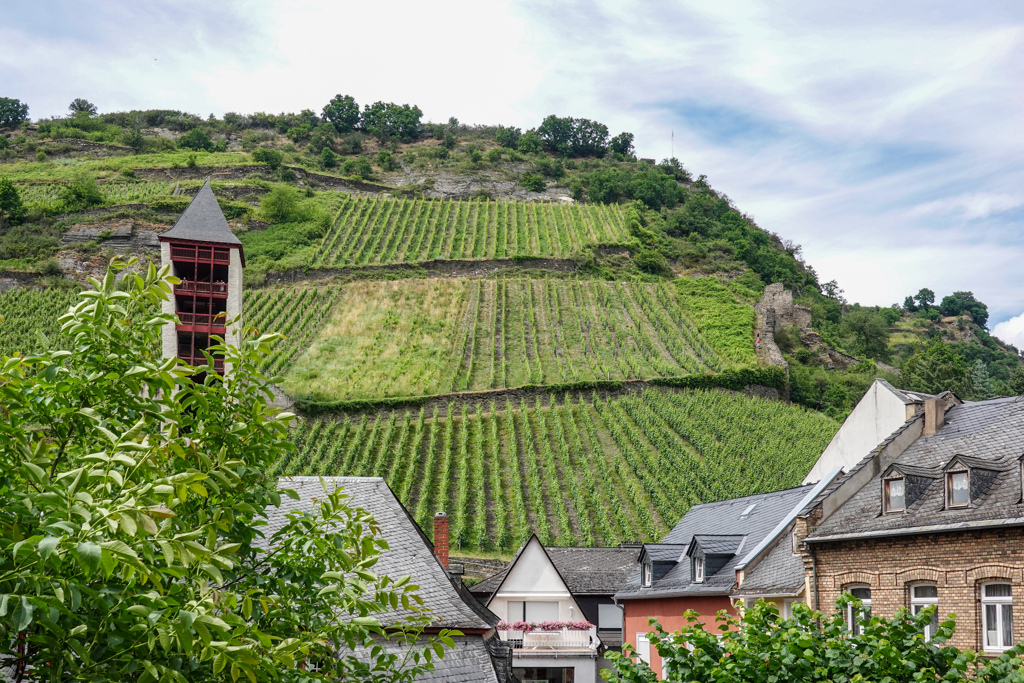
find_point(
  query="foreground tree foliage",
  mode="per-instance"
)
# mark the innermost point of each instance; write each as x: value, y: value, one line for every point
x: 762, y: 646
x: 131, y: 500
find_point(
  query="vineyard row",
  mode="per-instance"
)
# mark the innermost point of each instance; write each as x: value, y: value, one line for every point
x: 382, y: 230
x: 596, y: 471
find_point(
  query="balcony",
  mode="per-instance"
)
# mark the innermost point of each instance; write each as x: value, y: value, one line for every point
x: 213, y: 323
x: 546, y: 642
x: 210, y: 254
x: 193, y: 287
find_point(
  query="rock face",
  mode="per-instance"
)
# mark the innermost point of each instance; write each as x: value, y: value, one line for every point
x: 116, y: 234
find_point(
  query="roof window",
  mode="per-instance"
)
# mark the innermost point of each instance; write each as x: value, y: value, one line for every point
x: 958, y: 489
x: 750, y: 508
x: 895, y: 494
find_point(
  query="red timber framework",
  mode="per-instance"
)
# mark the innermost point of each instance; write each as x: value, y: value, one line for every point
x: 207, y: 257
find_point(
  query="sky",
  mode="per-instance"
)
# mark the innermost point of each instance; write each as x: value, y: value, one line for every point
x: 884, y: 137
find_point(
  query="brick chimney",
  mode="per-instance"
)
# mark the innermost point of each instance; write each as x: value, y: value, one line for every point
x: 934, y: 415
x: 441, y: 538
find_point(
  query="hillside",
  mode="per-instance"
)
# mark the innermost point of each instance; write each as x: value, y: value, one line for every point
x: 524, y: 330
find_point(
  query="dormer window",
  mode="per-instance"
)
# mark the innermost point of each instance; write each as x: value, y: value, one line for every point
x: 958, y: 489
x: 646, y: 573
x: 895, y: 494
x: 698, y: 570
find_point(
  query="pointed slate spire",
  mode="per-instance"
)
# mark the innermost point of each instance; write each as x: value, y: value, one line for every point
x: 202, y: 221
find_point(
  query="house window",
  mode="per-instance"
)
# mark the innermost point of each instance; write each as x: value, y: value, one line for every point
x: 920, y: 597
x: 532, y: 610
x: 958, y: 489
x: 997, y: 616
x: 698, y: 569
x: 609, y: 617
x: 646, y: 574
x: 855, y: 615
x: 643, y: 648
x: 895, y: 495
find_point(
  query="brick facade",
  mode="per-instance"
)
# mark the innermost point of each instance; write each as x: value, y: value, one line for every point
x: 956, y: 563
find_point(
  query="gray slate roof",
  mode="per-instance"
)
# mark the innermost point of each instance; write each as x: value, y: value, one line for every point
x: 723, y: 518
x: 409, y: 553
x: 202, y: 221
x: 716, y: 545
x: 468, y: 662
x: 781, y: 572
x: 990, y: 434
x: 586, y: 571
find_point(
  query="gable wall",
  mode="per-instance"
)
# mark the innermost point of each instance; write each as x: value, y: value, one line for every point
x: 534, y: 577
x: 876, y: 416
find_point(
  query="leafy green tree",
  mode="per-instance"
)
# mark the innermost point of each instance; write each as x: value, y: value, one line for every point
x: 530, y: 143
x: 82, y: 107
x: 12, y: 112
x: 981, y: 383
x: 1016, y: 383
x: 910, y: 304
x: 508, y: 136
x: 81, y: 193
x: 924, y: 297
x: 936, y: 369
x: 387, y: 120
x: 196, y: 139
x: 12, y: 211
x: 622, y: 144
x: 811, y: 647
x: 604, y: 186
x: 270, y: 157
x: 866, y: 332
x: 569, y: 136
x: 959, y: 303
x: 328, y: 159
x: 131, y: 499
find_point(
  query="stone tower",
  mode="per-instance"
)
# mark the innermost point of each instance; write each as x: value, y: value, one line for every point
x: 208, y: 258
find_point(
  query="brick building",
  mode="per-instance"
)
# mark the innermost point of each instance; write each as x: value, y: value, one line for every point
x: 933, y: 515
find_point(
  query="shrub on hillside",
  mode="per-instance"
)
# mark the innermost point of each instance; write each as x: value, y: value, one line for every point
x: 530, y: 143
x: 196, y: 139
x: 622, y: 145
x: 386, y: 160
x: 328, y: 159
x: 281, y: 205
x: 270, y: 157
x: 508, y: 136
x: 81, y: 193
x: 12, y: 211
x: 532, y: 182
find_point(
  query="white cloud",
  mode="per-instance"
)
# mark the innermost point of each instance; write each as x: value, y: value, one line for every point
x: 1011, y: 331
x: 970, y: 206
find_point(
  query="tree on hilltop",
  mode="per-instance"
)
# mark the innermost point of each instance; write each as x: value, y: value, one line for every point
x: 12, y: 112
x: 387, y: 120
x: 131, y: 503
x: 936, y: 369
x: 82, y: 107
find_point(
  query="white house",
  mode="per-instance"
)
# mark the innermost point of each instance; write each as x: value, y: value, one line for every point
x: 881, y: 411
x: 556, y: 609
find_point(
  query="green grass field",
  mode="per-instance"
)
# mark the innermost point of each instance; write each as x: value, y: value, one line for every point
x: 383, y: 230
x: 416, y: 337
x: 579, y: 471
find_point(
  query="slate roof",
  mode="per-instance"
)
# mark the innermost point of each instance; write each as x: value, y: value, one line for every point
x: 468, y: 661
x: 410, y: 552
x: 723, y: 518
x: 718, y: 545
x: 202, y: 221
x: 586, y: 571
x: 781, y: 572
x: 990, y: 434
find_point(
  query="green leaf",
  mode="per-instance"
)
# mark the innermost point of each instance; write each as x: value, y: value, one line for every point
x: 89, y: 554
x: 48, y: 545
x: 23, y: 614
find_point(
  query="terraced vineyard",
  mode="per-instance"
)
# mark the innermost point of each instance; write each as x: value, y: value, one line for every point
x: 28, y: 319
x: 297, y: 313
x: 384, y: 230
x: 417, y: 337
x: 584, y: 470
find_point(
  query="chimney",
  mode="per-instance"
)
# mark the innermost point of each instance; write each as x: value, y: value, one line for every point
x: 934, y: 415
x: 441, y: 538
